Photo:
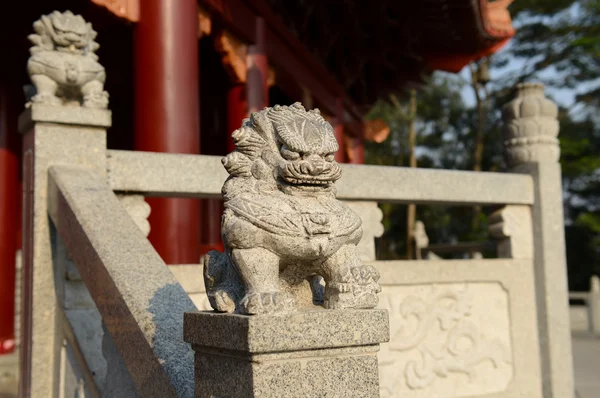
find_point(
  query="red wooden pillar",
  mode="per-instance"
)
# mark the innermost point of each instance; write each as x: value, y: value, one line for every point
x: 338, y: 130
x: 237, y: 110
x: 359, y: 150
x: 10, y: 195
x: 258, y: 70
x: 167, y: 114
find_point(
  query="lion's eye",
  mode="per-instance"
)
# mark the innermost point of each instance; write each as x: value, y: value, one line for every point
x: 289, y: 155
x: 329, y: 157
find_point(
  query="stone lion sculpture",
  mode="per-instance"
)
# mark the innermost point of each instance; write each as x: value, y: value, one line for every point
x: 63, y: 65
x: 289, y: 243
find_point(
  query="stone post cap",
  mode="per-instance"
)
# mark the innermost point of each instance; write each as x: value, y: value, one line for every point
x: 530, y: 127
x: 58, y: 114
x: 595, y: 284
x: 291, y: 332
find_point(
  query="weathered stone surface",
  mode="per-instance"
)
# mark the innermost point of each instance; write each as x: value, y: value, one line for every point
x: 311, y: 354
x: 9, y: 364
x: 138, y: 209
x: 291, y: 332
x: 594, y: 305
x: 283, y: 227
x: 63, y: 65
x: 457, y: 345
x: 371, y: 216
x: 49, y: 140
x: 530, y: 127
x: 512, y: 226
x: 531, y: 120
x: 141, y: 303
x: 191, y: 280
x: 164, y: 174
x: 459, y: 328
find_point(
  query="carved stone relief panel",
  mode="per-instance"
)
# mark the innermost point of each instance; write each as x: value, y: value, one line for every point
x: 446, y: 340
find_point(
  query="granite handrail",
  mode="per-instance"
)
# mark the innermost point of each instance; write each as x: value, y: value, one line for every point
x: 179, y: 175
x: 141, y: 303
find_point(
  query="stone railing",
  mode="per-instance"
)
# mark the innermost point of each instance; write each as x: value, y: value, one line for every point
x: 495, y: 327
x: 592, y: 307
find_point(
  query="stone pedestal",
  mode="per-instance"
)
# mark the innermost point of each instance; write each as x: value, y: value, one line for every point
x: 321, y: 353
x: 52, y: 135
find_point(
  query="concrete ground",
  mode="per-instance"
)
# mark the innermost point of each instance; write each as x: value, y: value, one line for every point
x: 8, y: 375
x: 586, y: 353
x: 586, y: 358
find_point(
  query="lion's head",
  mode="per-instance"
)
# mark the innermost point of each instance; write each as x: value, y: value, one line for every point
x: 287, y: 146
x: 65, y: 32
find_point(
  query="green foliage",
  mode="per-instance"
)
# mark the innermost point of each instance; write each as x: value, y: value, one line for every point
x: 557, y: 43
x: 445, y: 128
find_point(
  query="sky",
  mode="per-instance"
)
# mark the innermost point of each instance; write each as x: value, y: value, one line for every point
x: 563, y: 96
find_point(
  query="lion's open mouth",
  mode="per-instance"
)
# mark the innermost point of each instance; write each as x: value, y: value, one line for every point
x: 313, y: 186
x: 307, y: 182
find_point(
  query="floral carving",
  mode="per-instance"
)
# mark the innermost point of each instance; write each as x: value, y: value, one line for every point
x: 438, y: 337
x: 531, y: 127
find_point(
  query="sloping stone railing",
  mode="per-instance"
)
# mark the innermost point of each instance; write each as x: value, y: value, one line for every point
x: 493, y: 328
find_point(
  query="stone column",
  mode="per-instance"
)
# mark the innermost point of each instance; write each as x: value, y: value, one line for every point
x: 311, y: 354
x: 594, y: 305
x: 59, y: 127
x: 52, y: 134
x: 167, y: 114
x: 531, y: 147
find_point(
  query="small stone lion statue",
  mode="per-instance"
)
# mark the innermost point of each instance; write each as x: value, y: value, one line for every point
x: 290, y: 245
x: 63, y: 65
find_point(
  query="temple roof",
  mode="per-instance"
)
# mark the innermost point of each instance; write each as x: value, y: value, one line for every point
x: 374, y: 47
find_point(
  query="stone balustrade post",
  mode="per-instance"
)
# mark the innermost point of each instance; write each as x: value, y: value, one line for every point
x: 59, y: 126
x: 52, y: 135
x: 594, y: 305
x: 294, y: 304
x: 307, y: 354
x: 532, y: 147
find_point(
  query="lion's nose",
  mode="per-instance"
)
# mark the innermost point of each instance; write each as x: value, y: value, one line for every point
x: 317, y: 165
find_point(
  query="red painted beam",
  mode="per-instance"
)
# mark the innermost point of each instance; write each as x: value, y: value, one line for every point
x: 167, y: 114
x: 287, y: 52
x: 235, y: 15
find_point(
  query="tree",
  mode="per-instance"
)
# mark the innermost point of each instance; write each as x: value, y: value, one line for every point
x: 557, y: 43
x: 441, y: 124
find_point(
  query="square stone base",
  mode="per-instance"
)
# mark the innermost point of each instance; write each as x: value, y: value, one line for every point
x: 329, y: 353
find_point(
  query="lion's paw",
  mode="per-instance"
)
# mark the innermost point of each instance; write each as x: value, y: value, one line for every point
x: 265, y: 303
x: 46, y: 98
x: 358, y: 288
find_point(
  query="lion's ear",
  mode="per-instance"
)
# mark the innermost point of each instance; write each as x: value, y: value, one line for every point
x: 39, y: 27
x: 94, y: 46
x: 263, y: 125
x: 92, y: 33
x: 36, y: 40
x: 237, y: 164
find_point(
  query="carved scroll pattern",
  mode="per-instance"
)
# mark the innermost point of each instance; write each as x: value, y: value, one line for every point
x: 138, y: 209
x: 437, y: 343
